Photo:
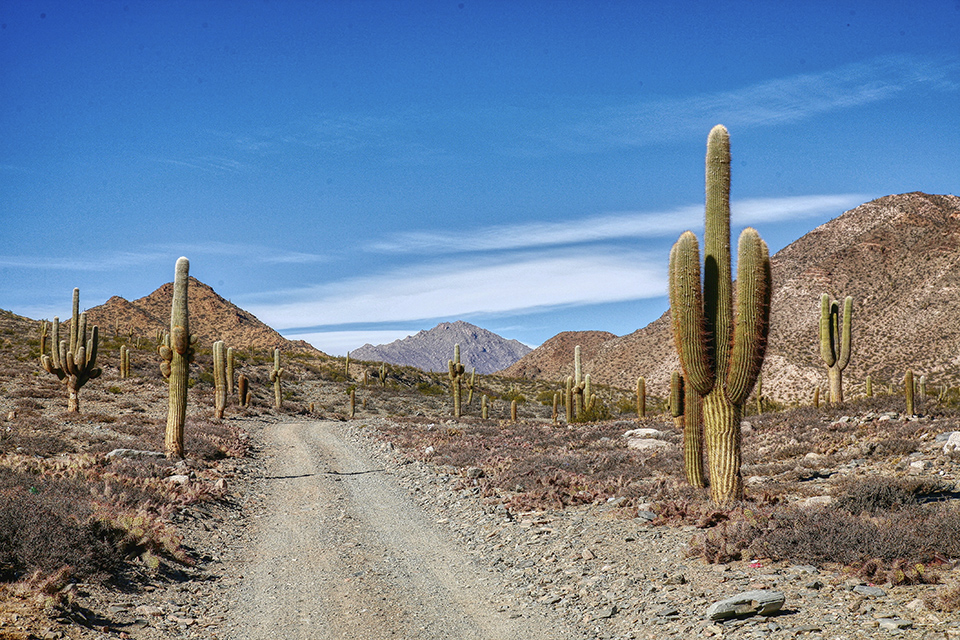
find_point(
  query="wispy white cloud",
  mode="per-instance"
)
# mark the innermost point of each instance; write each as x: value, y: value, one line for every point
x: 209, y: 164
x: 109, y: 262
x: 615, y: 226
x: 250, y: 253
x: 518, y: 284
x: 778, y: 101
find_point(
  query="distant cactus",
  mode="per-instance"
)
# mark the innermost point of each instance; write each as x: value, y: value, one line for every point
x: 471, y: 386
x: 382, y: 374
x: 124, y: 362
x: 219, y: 379
x: 353, y: 402
x: 556, y: 403
x: 835, y: 341
x: 908, y: 390
x: 569, y: 399
x: 43, y: 338
x: 177, y: 354
x: 456, y: 376
x: 721, y: 352
x: 868, y: 386
x: 73, y: 363
x: 230, y: 370
x: 641, y: 397
x: 578, y: 383
x: 922, y: 387
x: 513, y: 410
x: 588, y: 396
x: 484, y: 408
x: 275, y: 376
x: 346, y: 365
x: 816, y: 397
x: 243, y: 391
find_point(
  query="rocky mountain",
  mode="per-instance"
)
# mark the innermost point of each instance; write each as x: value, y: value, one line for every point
x: 211, y: 318
x: 897, y: 256
x: 431, y: 350
x: 553, y: 360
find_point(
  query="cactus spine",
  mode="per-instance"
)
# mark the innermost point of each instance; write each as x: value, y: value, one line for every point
x: 177, y: 354
x: 275, y: 377
x: 835, y: 341
x: 219, y: 379
x: 641, y: 397
x: 456, y: 377
x: 721, y: 352
x: 75, y: 363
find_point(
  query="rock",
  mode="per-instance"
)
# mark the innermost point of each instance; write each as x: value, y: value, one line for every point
x: 134, y: 453
x: 605, y: 612
x: 953, y: 443
x: 873, y: 592
x: 646, y: 516
x: 946, y: 435
x: 178, y: 479
x: 762, y: 602
x: 586, y: 554
x: 220, y: 485
x: 430, y: 451
x: 647, y: 444
x: 891, y: 624
x: 149, y: 610
x: 815, y: 501
x: 474, y: 472
x: 644, y: 433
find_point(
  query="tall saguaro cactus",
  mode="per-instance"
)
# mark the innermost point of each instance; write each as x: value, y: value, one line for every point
x: 275, y: 377
x: 219, y: 379
x: 835, y: 341
x: 456, y: 371
x: 230, y: 371
x: 177, y: 354
x: 721, y: 352
x: 73, y: 363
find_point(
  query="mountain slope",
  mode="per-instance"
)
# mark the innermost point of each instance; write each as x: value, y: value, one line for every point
x: 211, y: 318
x: 431, y: 350
x: 898, y: 256
x: 553, y: 360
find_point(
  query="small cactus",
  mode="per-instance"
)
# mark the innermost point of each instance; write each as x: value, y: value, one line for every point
x: 484, y: 407
x: 513, y: 410
x: 275, y: 376
x: 456, y: 376
x: 578, y: 383
x: 353, y: 402
x: 641, y: 397
x: 124, y: 362
x: 230, y: 370
x: 908, y: 390
x: 219, y: 379
x: 835, y: 341
x: 73, y: 363
x: 471, y: 386
x: 556, y: 403
x: 569, y: 401
x: 243, y: 391
x: 382, y: 374
x: 868, y: 386
x: 43, y: 338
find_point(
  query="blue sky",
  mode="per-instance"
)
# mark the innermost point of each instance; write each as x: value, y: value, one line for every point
x: 354, y: 172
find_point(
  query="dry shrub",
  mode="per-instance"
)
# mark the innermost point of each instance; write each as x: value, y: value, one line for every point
x: 946, y: 598
x: 900, y: 546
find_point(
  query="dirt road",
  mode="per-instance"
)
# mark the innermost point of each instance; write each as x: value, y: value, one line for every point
x: 343, y: 552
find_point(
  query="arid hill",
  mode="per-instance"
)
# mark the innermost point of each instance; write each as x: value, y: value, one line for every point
x: 553, y: 360
x: 211, y: 318
x: 431, y: 350
x: 898, y: 256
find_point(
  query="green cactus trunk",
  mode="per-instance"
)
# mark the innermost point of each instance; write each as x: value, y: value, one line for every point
x: 721, y: 352
x: 556, y: 407
x: 484, y: 410
x: 456, y: 371
x: 230, y: 371
x: 177, y: 356
x: 868, y: 387
x: 353, y: 403
x: 513, y: 410
x: 693, y: 441
x: 219, y: 379
x: 641, y: 398
x: 568, y: 405
x: 908, y: 392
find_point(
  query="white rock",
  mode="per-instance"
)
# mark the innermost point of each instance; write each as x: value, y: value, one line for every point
x: 647, y: 444
x: 762, y: 602
x: 134, y: 453
x: 644, y: 433
x: 953, y: 443
x: 815, y: 501
x: 178, y: 479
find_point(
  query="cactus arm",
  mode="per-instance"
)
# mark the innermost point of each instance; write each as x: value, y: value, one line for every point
x: 827, y: 348
x: 74, y: 319
x: 717, y: 288
x: 686, y: 313
x: 753, y: 315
